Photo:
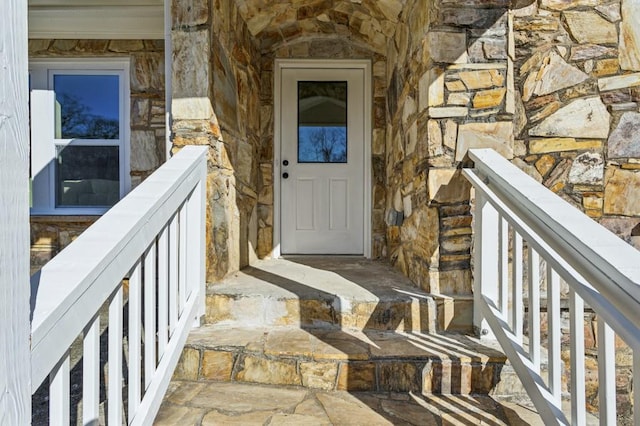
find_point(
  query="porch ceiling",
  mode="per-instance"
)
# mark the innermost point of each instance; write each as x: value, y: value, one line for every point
x: 371, y: 22
x: 96, y: 19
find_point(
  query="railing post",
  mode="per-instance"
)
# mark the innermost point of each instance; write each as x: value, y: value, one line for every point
x: 486, y: 261
x: 196, y: 242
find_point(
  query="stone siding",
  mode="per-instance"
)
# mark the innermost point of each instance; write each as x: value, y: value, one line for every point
x: 216, y: 73
x: 50, y: 234
x: 577, y: 91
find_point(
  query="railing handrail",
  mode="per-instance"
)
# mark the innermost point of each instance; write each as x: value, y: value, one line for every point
x: 66, y: 294
x: 611, y: 266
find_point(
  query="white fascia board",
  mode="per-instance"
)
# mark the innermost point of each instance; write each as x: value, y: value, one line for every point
x: 97, y: 22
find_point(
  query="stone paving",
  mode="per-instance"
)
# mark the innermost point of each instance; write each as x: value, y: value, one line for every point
x: 210, y: 403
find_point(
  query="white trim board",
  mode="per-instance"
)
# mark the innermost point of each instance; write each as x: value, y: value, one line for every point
x: 97, y: 22
x: 363, y: 64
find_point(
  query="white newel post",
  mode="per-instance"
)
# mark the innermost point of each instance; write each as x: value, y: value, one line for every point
x: 196, y: 242
x: 486, y: 261
x: 15, y: 366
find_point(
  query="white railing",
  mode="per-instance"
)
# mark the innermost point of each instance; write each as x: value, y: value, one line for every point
x: 512, y: 212
x: 153, y: 239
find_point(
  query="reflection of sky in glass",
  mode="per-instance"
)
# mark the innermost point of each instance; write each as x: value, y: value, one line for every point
x: 322, y: 144
x: 89, y: 106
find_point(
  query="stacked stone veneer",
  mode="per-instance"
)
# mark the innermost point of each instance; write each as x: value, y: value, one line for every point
x: 216, y: 103
x: 50, y: 234
x: 450, y: 89
x: 577, y: 118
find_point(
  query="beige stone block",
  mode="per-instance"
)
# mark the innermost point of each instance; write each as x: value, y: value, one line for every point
x: 540, y: 146
x: 319, y: 375
x: 456, y: 281
x: 557, y: 74
x: 619, y: 82
x: 488, y: 98
x: 482, y: 79
x: 448, y: 47
x: 144, y: 154
x: 191, y: 60
x: 357, y: 376
x: 447, y: 186
x: 590, y: 27
x: 606, y: 67
x: 545, y: 163
x: 191, y: 108
x: 450, y: 134
x: 629, y: 51
x: 582, y: 118
x: 217, y: 365
x: 436, y: 87
x: 459, y: 99
x: 268, y: 371
x: 446, y: 112
x: 498, y: 135
x: 191, y: 13
x: 592, y: 202
x: 399, y: 377
x: 188, y: 365
x: 455, y: 86
x: 622, y: 192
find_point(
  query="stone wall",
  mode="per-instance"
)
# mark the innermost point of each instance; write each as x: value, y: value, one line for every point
x: 577, y: 119
x: 50, y: 234
x: 215, y: 103
x: 449, y: 78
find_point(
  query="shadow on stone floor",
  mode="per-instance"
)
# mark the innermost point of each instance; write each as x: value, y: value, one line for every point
x: 452, y: 368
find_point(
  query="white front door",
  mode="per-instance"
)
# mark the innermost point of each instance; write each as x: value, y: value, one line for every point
x: 322, y: 174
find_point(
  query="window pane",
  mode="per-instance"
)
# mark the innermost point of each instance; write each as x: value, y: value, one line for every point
x: 322, y: 121
x: 87, y: 106
x: 87, y: 176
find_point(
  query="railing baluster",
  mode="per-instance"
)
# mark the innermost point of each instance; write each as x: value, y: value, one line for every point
x: 149, y: 314
x: 182, y: 259
x: 533, y: 269
x: 59, y: 394
x: 606, y: 373
x: 578, y: 406
x: 503, y: 266
x: 91, y: 374
x: 135, y: 317
x: 636, y: 379
x: 486, y: 259
x: 517, y: 311
x: 554, y: 334
x: 163, y: 288
x: 115, y: 359
x: 173, y: 274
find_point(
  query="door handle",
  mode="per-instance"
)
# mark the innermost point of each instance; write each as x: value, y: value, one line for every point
x: 285, y: 175
x: 285, y: 163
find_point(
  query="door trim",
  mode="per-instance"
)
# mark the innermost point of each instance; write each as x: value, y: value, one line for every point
x: 363, y: 64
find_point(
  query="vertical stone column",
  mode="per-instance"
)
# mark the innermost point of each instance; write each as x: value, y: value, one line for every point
x: 195, y: 123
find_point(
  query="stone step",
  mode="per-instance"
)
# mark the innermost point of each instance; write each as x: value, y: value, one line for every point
x: 218, y: 403
x: 321, y: 292
x: 346, y: 360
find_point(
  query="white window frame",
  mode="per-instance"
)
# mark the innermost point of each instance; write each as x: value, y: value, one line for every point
x: 44, y: 143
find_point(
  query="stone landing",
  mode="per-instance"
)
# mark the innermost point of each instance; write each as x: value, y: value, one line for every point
x: 321, y: 291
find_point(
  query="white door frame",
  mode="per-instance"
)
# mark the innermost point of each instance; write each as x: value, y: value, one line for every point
x: 281, y: 64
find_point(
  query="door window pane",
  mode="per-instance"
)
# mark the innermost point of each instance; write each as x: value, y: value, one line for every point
x: 87, y: 176
x: 87, y: 106
x: 322, y: 121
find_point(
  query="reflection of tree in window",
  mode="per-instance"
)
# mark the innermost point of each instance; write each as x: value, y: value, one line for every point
x: 324, y: 144
x: 77, y: 121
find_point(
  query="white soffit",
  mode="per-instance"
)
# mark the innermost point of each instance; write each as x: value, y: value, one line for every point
x: 96, y: 19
